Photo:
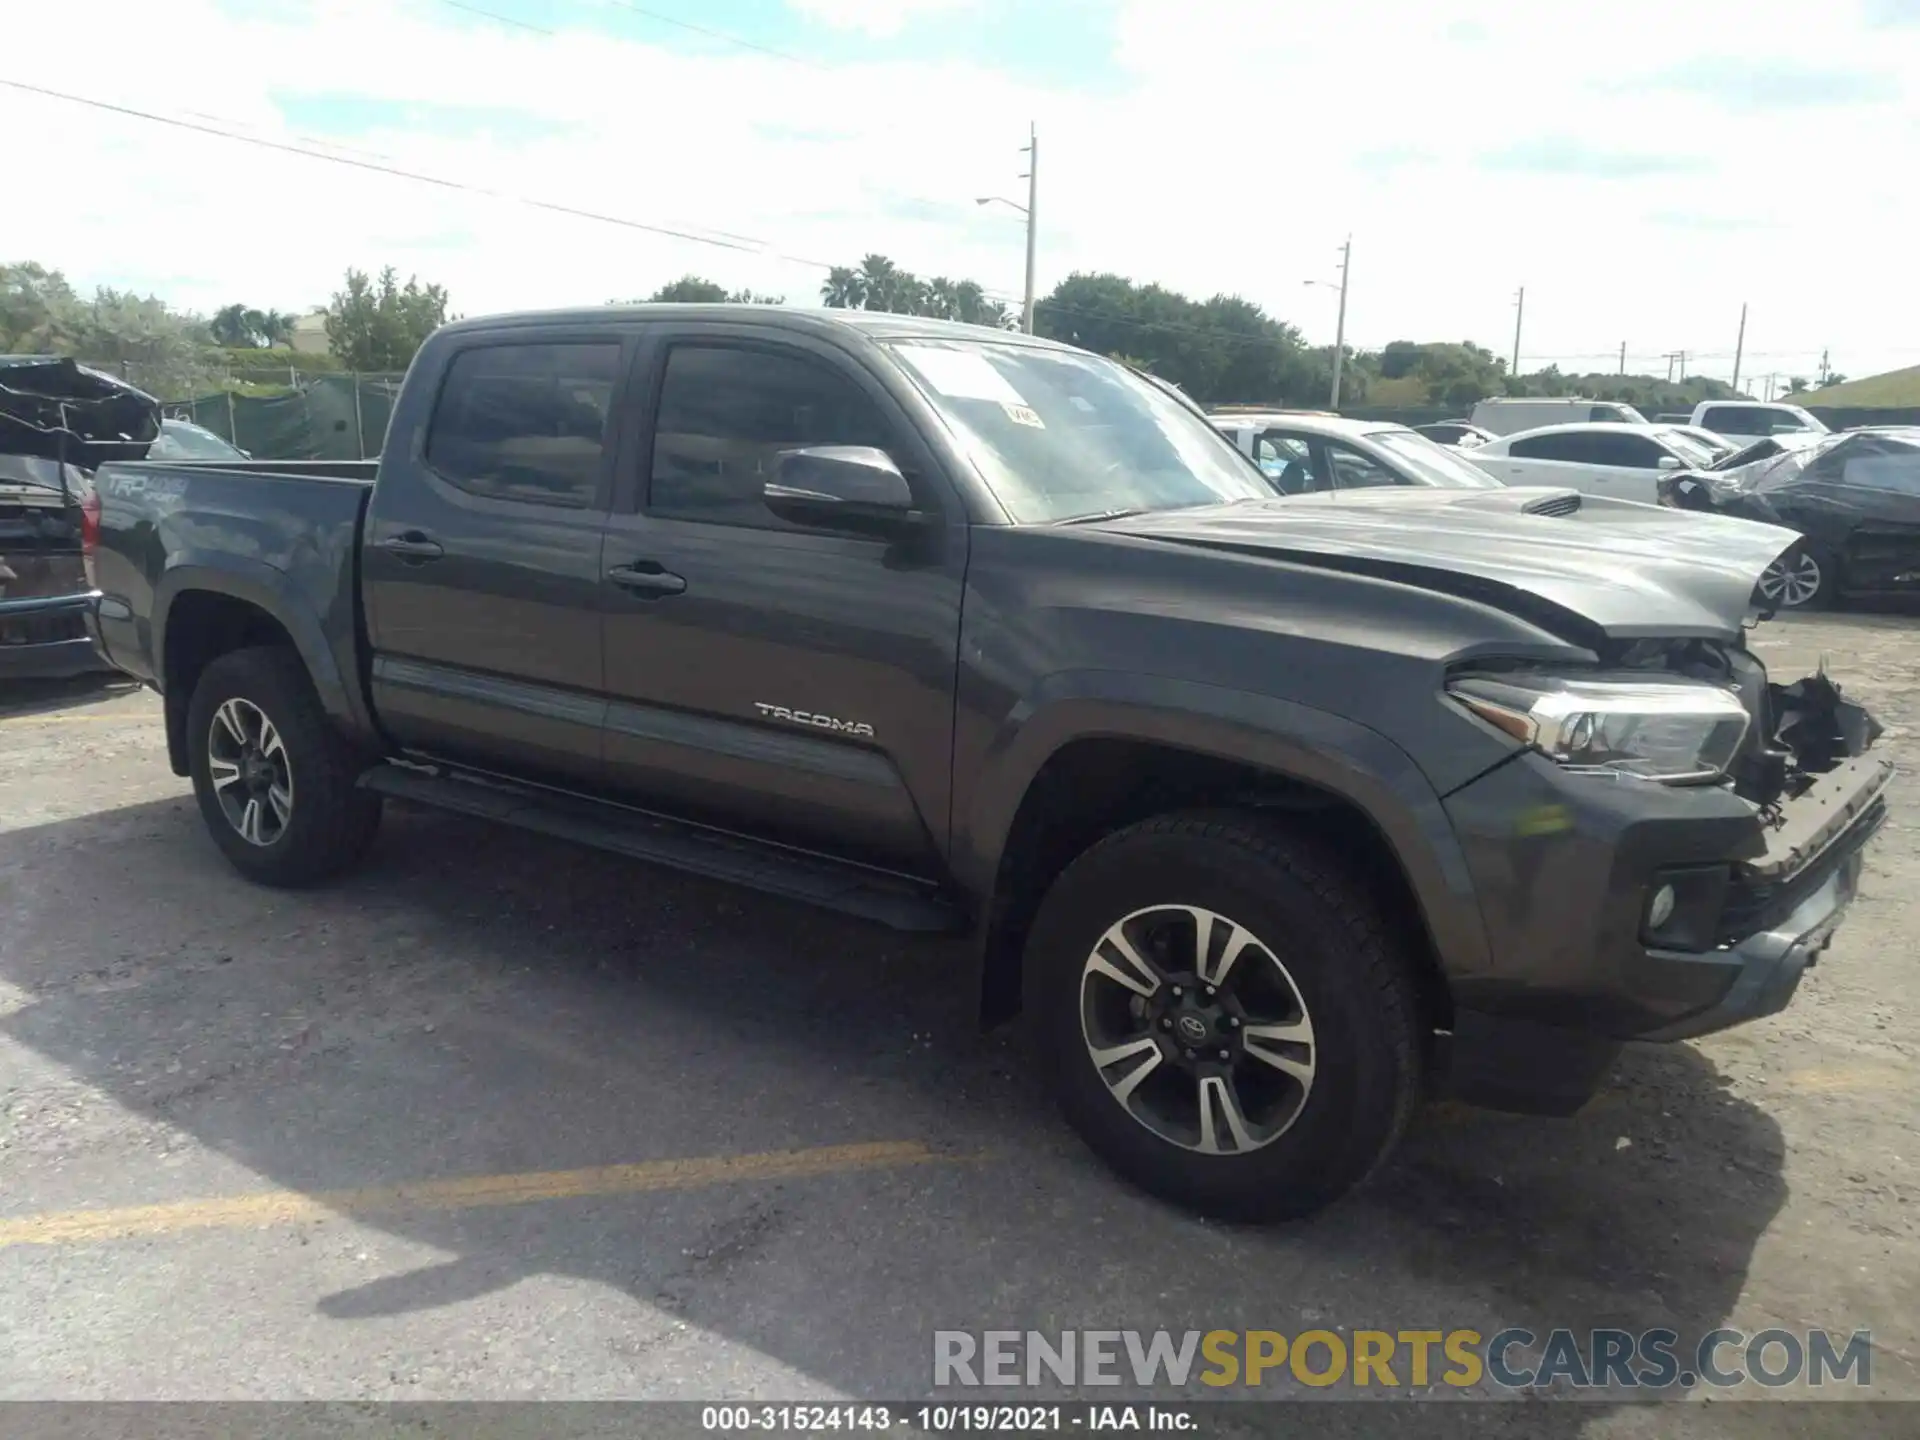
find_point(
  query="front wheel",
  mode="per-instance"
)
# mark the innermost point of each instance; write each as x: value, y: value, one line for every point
x: 275, y: 782
x: 1801, y: 579
x: 1229, y: 1022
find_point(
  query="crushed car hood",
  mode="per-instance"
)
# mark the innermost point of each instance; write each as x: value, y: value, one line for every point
x: 1634, y: 571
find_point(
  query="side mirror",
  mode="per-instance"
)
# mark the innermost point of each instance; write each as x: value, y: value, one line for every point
x: 1670, y: 462
x: 842, y: 487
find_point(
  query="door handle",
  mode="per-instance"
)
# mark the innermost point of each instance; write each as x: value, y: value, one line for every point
x: 413, y: 545
x: 647, y: 577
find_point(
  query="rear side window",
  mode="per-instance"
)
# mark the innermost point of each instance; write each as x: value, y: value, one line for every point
x: 526, y: 422
x: 1550, y: 447
x: 1738, y: 420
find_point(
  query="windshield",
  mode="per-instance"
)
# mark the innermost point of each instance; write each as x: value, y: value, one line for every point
x: 1688, y: 448
x: 1059, y: 435
x: 1432, y: 463
x: 180, y: 441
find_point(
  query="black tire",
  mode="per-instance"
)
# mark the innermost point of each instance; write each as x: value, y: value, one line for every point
x: 330, y: 822
x: 1333, y: 943
x: 1794, y: 565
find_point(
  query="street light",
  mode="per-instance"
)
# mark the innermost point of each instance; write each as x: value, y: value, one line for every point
x: 1340, y: 330
x: 1032, y: 177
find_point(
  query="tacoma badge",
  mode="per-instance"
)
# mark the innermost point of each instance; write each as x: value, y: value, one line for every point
x: 823, y: 722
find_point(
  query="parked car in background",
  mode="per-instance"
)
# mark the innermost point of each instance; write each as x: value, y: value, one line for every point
x: 1302, y: 452
x: 1716, y: 445
x: 1270, y: 814
x: 184, y: 440
x: 1854, y: 498
x: 1744, y: 421
x: 1459, y: 434
x: 1623, y: 462
x: 1509, y: 415
x: 58, y: 420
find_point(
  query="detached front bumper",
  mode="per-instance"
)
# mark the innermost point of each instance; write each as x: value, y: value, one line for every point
x: 45, y: 637
x: 1578, y: 969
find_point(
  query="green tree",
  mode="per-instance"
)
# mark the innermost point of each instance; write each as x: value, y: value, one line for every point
x: 39, y: 312
x: 845, y: 289
x: 380, y: 324
x: 1797, y: 385
x: 692, y: 290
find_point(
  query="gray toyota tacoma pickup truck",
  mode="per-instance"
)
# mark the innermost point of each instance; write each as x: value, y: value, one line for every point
x: 1270, y: 815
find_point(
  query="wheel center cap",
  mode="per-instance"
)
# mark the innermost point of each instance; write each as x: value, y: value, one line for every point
x: 1191, y: 1028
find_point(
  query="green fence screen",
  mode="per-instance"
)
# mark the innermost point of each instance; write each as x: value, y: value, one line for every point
x: 324, y: 417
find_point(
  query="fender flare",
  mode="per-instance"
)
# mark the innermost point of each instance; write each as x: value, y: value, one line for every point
x: 1348, y: 760
x: 262, y: 586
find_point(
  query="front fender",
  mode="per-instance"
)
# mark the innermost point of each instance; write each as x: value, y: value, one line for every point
x: 1351, y: 761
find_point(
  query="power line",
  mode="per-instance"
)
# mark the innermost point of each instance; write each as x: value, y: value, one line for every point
x: 663, y: 19
x: 718, y: 239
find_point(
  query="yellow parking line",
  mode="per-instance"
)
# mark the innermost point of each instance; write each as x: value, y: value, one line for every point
x: 281, y: 1207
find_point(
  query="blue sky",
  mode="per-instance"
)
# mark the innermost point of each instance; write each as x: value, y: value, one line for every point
x: 1642, y: 177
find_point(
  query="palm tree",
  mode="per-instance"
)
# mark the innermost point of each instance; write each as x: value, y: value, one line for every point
x: 845, y: 289
x: 942, y: 299
x: 276, y: 327
x: 229, y: 326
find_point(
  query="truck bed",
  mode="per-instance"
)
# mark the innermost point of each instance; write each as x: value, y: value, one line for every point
x: 284, y: 531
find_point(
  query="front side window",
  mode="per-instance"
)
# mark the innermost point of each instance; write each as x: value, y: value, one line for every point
x: 1060, y: 435
x: 727, y: 412
x: 1623, y: 451
x: 1287, y: 460
x: 526, y: 422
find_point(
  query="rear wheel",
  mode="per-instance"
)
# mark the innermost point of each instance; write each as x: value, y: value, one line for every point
x: 275, y: 781
x: 1801, y: 579
x: 1228, y: 1021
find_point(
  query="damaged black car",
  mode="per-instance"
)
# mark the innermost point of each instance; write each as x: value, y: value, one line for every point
x: 1854, y: 499
x: 58, y: 422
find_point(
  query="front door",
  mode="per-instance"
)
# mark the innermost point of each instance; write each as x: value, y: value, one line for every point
x: 787, y: 681
x: 481, y: 566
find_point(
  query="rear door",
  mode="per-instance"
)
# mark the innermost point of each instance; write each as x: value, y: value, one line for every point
x: 789, y: 682
x: 481, y: 564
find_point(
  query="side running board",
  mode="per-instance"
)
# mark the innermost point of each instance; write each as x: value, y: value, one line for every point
x: 892, y: 900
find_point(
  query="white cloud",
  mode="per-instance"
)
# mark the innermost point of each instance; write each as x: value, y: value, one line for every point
x: 873, y: 17
x: 1241, y: 144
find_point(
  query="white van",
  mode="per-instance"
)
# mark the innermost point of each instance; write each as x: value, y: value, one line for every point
x: 1510, y: 415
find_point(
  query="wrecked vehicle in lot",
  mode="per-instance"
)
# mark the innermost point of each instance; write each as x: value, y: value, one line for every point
x: 1853, y: 498
x: 58, y: 420
x: 1271, y: 814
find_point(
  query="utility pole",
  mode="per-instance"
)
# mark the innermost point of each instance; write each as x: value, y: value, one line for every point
x: 1340, y: 327
x: 1519, y: 313
x: 1824, y: 369
x: 1032, y: 178
x: 1670, y: 357
x: 1623, y: 357
x: 1740, y: 346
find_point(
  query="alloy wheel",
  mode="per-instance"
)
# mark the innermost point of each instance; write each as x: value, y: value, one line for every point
x: 252, y: 777
x: 1197, y: 1029
x: 1791, y: 580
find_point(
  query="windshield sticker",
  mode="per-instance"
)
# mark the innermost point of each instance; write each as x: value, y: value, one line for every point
x: 1022, y: 415
x: 1081, y: 403
x: 960, y: 374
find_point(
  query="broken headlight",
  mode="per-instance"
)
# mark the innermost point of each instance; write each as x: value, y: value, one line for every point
x: 1671, y: 732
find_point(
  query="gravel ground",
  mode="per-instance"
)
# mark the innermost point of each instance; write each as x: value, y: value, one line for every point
x: 480, y: 1003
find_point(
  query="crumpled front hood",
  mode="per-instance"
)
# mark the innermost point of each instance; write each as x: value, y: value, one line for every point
x: 1635, y: 571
